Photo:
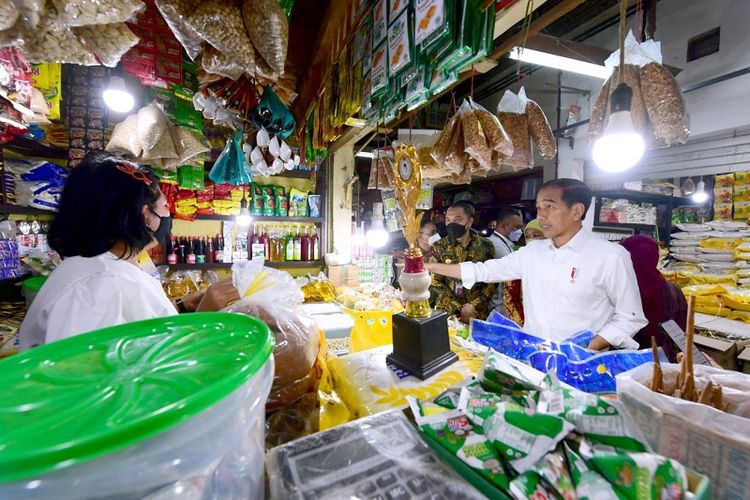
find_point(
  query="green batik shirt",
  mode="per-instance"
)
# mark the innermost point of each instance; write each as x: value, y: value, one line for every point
x: 447, y: 294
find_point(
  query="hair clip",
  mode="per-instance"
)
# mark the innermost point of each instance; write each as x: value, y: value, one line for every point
x: 134, y: 172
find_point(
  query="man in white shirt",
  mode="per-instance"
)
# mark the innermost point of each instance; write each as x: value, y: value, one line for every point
x: 571, y: 281
x: 507, y: 231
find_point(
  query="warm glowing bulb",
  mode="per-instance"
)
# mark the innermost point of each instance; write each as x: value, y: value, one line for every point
x: 700, y: 194
x: 377, y: 238
x: 116, y: 96
x: 243, y: 220
x: 621, y: 146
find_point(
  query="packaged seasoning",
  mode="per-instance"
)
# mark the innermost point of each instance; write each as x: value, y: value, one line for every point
x: 379, y: 22
x: 499, y: 373
x: 452, y: 430
x: 478, y: 404
x: 297, y: 200
x: 430, y: 20
x: 400, y: 46
x: 530, y: 484
x: 396, y: 7
x: 554, y: 469
x: 523, y: 437
x: 379, y: 69
x: 642, y: 475
x: 281, y: 201
x: 269, y: 201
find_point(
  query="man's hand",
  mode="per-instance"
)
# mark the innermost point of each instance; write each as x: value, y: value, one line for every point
x: 192, y: 300
x: 468, y: 312
x: 218, y: 296
x: 598, y: 344
x: 450, y: 270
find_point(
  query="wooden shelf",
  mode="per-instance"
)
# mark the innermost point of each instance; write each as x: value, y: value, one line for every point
x: 33, y: 148
x: 222, y: 265
x: 16, y: 210
x: 260, y: 218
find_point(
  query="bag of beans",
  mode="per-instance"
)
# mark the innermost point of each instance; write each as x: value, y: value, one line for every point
x: 475, y: 140
x: 664, y: 103
x: 511, y: 111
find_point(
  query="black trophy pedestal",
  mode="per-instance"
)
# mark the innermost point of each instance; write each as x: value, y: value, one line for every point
x: 421, y: 346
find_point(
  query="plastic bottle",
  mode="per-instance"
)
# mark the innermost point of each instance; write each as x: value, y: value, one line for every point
x: 305, y: 244
x: 219, y: 248
x: 210, y: 250
x: 297, y: 246
x: 200, y: 252
x: 315, y: 244
x: 289, y: 246
x: 266, y: 243
x: 190, y: 250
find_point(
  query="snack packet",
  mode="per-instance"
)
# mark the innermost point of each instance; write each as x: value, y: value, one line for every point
x: 500, y: 373
x: 282, y: 202
x: 269, y: 201
x: 530, y: 484
x: 599, y: 420
x: 589, y: 484
x: 642, y: 475
x: 480, y: 405
x: 297, y: 203
x: 450, y: 397
x: 554, y: 470
x: 454, y: 432
x: 257, y: 199
x: 523, y: 437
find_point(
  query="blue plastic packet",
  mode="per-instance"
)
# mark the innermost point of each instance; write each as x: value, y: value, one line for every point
x: 231, y: 167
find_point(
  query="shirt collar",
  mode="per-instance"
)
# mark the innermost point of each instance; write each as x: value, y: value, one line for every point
x: 507, y: 241
x: 576, y: 243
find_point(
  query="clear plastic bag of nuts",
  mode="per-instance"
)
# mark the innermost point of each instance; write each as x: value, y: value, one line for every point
x: 216, y: 63
x: 664, y: 103
x: 511, y: 111
x: 175, y: 13
x: 85, y: 12
x: 51, y: 42
x: 268, y: 29
x: 108, y: 41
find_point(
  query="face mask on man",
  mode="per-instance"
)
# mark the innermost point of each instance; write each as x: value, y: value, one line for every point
x: 515, y: 235
x: 455, y: 229
x: 433, y: 239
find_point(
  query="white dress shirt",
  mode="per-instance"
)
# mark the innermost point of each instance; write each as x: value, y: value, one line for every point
x: 588, y: 283
x: 85, y: 294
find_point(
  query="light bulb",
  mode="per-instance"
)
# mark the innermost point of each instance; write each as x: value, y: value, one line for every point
x: 116, y: 96
x: 621, y: 146
x: 700, y: 194
x: 243, y: 219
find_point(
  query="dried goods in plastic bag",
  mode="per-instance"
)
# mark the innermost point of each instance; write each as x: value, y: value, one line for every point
x: 187, y: 146
x: 511, y: 112
x: 497, y: 138
x: 638, y: 111
x: 456, y: 157
x: 219, y: 22
x: 124, y: 139
x: 599, y: 114
x: 86, y: 12
x: 30, y: 12
x: 109, y: 42
x: 664, y: 103
x: 443, y: 142
x: 9, y: 14
x: 540, y: 130
x: 268, y: 29
x: 52, y: 42
x: 214, y: 62
x: 175, y: 13
x: 152, y: 125
x: 475, y: 142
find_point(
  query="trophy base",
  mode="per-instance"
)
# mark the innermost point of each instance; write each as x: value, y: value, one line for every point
x: 420, y: 345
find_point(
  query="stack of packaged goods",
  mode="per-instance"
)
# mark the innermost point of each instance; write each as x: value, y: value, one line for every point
x: 518, y: 432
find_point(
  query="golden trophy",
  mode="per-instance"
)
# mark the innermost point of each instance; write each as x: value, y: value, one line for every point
x: 420, y: 335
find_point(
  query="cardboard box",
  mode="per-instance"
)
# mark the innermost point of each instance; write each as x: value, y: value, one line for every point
x: 724, y: 352
x: 744, y: 360
x: 344, y: 275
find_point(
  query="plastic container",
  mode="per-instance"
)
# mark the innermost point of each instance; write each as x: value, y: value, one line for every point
x: 30, y: 288
x: 165, y: 408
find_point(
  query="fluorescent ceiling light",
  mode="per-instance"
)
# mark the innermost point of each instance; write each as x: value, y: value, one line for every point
x: 531, y: 56
x: 365, y: 154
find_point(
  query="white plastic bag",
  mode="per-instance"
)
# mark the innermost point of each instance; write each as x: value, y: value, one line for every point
x: 699, y: 436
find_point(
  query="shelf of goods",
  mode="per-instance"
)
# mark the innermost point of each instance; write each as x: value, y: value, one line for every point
x: 224, y: 265
x: 19, y: 210
x: 663, y: 203
x: 259, y: 218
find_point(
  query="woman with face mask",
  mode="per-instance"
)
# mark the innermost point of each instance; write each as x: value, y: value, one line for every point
x: 111, y: 210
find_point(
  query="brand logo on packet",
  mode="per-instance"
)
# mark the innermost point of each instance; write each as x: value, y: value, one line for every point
x: 459, y: 425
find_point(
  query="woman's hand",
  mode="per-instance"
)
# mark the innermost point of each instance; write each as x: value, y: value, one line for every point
x: 192, y: 300
x: 218, y: 296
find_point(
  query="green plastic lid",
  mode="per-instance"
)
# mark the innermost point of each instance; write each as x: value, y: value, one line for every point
x: 33, y: 284
x: 90, y: 395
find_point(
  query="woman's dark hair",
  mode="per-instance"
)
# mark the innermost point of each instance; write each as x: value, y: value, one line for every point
x: 102, y: 204
x: 572, y: 191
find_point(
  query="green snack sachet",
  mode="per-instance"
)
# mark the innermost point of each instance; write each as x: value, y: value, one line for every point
x: 554, y: 470
x: 600, y: 420
x: 530, y: 484
x: 589, y: 484
x: 500, y: 373
x: 523, y: 438
x: 643, y: 475
x: 454, y: 432
x: 256, y: 207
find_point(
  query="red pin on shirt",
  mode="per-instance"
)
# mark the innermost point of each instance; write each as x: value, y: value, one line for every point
x: 573, y: 274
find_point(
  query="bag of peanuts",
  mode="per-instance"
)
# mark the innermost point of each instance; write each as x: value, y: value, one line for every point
x: 511, y: 111
x: 657, y: 107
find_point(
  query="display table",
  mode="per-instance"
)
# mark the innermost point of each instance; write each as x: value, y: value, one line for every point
x: 368, y: 386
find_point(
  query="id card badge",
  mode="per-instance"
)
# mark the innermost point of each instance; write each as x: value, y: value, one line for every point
x: 458, y: 289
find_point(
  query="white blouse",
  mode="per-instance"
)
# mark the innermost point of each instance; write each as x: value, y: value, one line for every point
x: 89, y: 293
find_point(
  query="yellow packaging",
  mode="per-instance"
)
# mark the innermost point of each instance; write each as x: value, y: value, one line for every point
x: 720, y: 243
x: 48, y: 79
x: 725, y: 180
x: 739, y: 177
x: 708, y: 289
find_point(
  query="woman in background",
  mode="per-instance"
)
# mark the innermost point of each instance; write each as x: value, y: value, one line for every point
x: 512, y: 299
x: 661, y: 300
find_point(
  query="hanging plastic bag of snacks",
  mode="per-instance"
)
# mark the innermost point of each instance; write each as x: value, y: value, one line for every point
x: 109, y: 42
x: 511, y: 111
x: 475, y: 140
x: 175, y: 13
x: 273, y: 116
x: 268, y: 29
x: 85, y: 12
x: 664, y: 103
x: 214, y: 62
x: 540, y: 131
x: 9, y: 14
x: 230, y: 167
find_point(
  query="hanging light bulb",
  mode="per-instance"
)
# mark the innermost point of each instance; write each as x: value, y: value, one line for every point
x: 116, y: 95
x: 700, y: 194
x: 377, y: 236
x: 621, y: 146
x: 244, y: 219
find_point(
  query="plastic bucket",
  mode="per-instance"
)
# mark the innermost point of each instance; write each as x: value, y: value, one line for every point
x: 30, y: 288
x: 164, y: 408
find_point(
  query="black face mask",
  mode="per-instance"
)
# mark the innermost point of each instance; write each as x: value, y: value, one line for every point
x: 165, y: 227
x: 455, y: 229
